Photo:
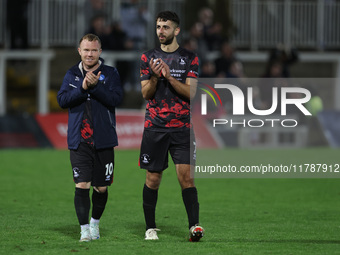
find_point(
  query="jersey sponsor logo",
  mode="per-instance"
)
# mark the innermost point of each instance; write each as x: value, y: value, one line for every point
x: 178, y: 73
x: 77, y: 78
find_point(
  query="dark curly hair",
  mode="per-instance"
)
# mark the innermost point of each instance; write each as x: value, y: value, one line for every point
x: 168, y: 15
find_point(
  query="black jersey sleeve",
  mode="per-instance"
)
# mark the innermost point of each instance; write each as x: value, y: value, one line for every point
x: 193, y: 67
x: 145, y: 72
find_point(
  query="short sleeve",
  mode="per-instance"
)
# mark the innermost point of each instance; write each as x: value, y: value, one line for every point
x: 193, y: 68
x: 144, y: 68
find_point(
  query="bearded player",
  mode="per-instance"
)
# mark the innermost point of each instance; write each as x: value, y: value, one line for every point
x: 168, y: 79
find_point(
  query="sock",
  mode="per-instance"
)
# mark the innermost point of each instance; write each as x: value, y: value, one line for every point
x: 98, y: 203
x: 94, y: 221
x: 190, y: 200
x: 82, y: 227
x: 82, y: 204
x: 149, y: 206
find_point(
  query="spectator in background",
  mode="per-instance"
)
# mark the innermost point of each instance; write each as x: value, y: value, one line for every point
x: 271, y: 79
x: 274, y: 69
x: 286, y: 56
x: 212, y: 30
x: 94, y: 8
x: 118, y: 38
x: 190, y: 44
x: 111, y: 36
x: 207, y: 69
x: 227, y: 56
x: 120, y: 42
x: 277, y: 69
x: 17, y: 15
x: 235, y: 70
x: 196, y: 33
x: 134, y: 19
x: 101, y: 29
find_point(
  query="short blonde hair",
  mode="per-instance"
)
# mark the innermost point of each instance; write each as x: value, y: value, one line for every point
x: 90, y: 38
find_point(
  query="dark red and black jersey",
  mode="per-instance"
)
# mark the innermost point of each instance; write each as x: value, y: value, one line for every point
x: 168, y: 110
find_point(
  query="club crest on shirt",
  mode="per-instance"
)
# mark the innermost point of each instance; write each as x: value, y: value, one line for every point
x: 101, y: 77
x: 181, y: 60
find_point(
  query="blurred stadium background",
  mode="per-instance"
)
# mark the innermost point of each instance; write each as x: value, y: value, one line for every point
x: 38, y: 41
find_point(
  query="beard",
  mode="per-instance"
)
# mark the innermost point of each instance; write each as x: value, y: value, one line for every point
x: 168, y: 40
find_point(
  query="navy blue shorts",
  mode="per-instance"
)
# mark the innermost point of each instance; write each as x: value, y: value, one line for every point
x: 91, y: 165
x: 156, y: 146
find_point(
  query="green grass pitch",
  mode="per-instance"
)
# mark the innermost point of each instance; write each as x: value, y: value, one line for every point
x: 240, y: 216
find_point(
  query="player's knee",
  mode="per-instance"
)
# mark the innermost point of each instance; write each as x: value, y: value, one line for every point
x: 100, y: 189
x: 186, y: 186
x: 152, y: 183
x: 187, y: 183
x: 83, y: 185
x: 153, y: 180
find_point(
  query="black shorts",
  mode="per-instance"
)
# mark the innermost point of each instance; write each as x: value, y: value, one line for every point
x: 91, y: 165
x: 156, y: 145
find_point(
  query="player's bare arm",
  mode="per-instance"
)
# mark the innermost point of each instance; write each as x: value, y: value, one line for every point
x: 149, y: 86
x: 187, y: 89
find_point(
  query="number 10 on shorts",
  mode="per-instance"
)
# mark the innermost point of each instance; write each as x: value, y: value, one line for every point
x: 109, y: 169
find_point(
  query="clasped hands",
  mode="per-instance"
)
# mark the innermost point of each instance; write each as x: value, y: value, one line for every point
x: 159, y: 67
x: 90, y: 80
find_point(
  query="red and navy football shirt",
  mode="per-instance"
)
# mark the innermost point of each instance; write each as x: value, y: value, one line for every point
x: 87, y: 123
x: 168, y: 110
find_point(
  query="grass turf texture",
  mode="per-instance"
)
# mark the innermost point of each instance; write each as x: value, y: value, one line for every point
x: 240, y: 216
